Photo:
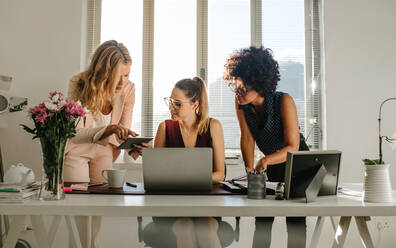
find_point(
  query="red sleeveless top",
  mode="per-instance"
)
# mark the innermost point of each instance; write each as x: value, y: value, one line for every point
x: 174, y: 137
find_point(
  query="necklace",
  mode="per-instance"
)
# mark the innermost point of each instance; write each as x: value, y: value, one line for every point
x: 188, y: 136
x: 187, y: 132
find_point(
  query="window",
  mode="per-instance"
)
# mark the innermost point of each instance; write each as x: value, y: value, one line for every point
x: 174, y: 51
x: 124, y: 24
x: 184, y: 38
x: 285, y: 36
x: 228, y: 30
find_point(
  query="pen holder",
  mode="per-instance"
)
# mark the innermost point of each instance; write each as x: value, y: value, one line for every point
x: 256, y: 186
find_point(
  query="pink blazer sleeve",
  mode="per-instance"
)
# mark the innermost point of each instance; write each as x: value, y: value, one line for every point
x: 123, y: 110
x: 122, y: 114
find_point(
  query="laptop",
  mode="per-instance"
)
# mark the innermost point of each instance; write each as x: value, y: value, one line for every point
x: 177, y: 169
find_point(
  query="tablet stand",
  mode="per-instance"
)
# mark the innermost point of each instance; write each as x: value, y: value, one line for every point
x: 312, y: 191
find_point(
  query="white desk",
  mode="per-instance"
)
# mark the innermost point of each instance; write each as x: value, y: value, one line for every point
x: 161, y: 205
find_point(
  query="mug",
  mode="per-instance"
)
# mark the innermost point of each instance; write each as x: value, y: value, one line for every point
x: 115, y: 177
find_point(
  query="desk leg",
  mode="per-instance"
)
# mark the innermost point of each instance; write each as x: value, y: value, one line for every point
x: 71, y: 224
x: 39, y: 231
x: 317, y: 231
x: 17, y: 223
x: 342, y: 231
x: 333, y: 222
x: 53, y: 229
x: 363, y: 231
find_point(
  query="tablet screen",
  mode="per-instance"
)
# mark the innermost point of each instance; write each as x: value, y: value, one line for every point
x: 129, y: 142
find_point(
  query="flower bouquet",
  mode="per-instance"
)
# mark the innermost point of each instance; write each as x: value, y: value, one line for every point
x: 55, y: 122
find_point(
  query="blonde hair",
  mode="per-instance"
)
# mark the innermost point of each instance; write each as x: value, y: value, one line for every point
x: 195, y: 90
x: 97, y: 83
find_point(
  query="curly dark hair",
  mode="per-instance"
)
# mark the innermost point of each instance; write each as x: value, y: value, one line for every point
x: 256, y: 67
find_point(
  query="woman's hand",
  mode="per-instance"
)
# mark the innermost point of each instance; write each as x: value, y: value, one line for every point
x: 121, y: 132
x: 261, y: 165
x: 137, y: 150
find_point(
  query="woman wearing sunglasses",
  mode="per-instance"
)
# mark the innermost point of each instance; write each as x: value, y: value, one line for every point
x: 190, y: 126
x: 268, y: 118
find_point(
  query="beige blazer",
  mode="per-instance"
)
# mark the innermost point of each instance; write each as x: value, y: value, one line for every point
x: 86, y: 134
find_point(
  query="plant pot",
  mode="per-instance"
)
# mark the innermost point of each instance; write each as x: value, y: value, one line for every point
x: 53, y: 150
x: 377, y: 184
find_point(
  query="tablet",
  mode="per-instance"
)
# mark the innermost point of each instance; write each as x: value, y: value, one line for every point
x: 129, y: 142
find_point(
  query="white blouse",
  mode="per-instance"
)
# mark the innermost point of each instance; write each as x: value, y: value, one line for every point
x: 102, y: 120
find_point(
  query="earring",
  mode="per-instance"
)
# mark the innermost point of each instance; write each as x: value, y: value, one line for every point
x: 196, y: 111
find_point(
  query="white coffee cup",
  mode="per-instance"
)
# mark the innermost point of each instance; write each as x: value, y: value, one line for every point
x: 115, y: 177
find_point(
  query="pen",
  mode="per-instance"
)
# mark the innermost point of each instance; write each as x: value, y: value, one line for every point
x: 131, y: 184
x: 95, y: 184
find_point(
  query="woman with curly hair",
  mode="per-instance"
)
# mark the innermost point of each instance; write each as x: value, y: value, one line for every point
x: 268, y: 118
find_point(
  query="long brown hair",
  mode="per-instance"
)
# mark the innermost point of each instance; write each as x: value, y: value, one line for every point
x: 195, y: 90
x: 97, y: 83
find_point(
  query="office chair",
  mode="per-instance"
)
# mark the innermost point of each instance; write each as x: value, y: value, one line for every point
x: 226, y: 233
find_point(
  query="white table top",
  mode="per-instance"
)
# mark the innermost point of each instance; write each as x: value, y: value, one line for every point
x: 189, y: 205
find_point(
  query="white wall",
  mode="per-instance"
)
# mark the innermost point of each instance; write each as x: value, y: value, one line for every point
x: 360, y: 72
x: 40, y: 47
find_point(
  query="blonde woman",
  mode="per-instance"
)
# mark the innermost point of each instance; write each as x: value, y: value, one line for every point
x: 191, y: 127
x: 105, y: 90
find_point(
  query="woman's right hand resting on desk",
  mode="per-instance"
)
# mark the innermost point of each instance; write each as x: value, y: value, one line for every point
x: 121, y: 132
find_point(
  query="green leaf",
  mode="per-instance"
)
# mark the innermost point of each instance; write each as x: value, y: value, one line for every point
x: 28, y: 129
x: 372, y: 161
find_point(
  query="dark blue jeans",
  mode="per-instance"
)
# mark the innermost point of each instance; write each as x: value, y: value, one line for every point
x: 296, y: 232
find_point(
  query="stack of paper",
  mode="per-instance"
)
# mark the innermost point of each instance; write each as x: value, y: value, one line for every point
x: 13, y: 193
x: 244, y: 184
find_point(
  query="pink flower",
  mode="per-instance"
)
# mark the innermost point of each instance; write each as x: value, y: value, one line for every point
x: 34, y: 110
x: 56, y: 114
x: 38, y: 110
x: 56, y: 96
x: 70, y: 118
x: 41, y: 118
x: 74, y: 109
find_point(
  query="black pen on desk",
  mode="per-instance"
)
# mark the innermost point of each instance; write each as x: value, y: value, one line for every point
x: 131, y: 184
x: 96, y: 184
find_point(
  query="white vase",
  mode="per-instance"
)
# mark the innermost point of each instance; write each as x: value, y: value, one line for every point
x: 377, y: 184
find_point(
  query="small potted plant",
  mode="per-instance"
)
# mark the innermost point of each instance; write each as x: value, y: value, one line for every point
x: 377, y: 185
